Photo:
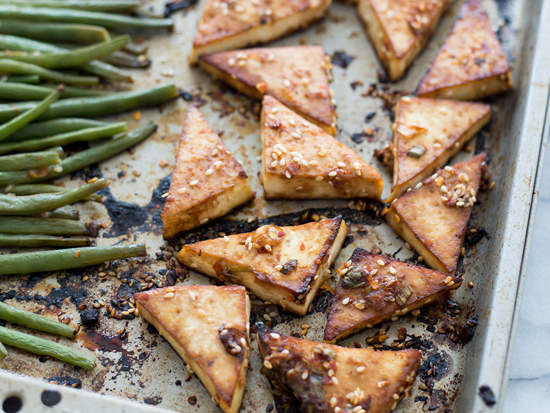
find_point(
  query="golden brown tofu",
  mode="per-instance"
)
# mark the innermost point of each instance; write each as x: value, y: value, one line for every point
x: 399, y: 29
x: 429, y: 132
x: 230, y: 25
x: 326, y: 378
x: 471, y: 64
x: 284, y: 265
x: 301, y: 161
x: 207, y: 181
x: 208, y: 326
x: 434, y: 217
x: 297, y: 76
x: 374, y: 288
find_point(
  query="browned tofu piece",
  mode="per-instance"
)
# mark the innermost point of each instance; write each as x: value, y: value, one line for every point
x: 297, y: 76
x: 434, y: 217
x: 471, y: 64
x: 301, y: 161
x: 230, y: 25
x: 374, y: 288
x: 207, y: 181
x: 429, y: 132
x: 399, y: 29
x: 326, y: 378
x: 284, y: 265
x: 208, y: 326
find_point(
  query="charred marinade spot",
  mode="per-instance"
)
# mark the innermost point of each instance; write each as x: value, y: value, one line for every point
x: 234, y: 341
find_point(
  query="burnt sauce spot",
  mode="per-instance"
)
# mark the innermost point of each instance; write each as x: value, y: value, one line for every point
x: 486, y: 393
x: 94, y: 340
x: 175, y: 5
x: 342, y: 59
x: 65, y: 381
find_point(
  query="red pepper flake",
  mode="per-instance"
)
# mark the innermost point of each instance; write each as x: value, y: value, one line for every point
x: 278, y: 256
x: 91, y: 181
x: 302, y: 247
x: 78, y: 252
x: 280, y: 234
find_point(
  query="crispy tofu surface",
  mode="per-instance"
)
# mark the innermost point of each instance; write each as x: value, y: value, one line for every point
x: 433, y: 218
x: 399, y: 29
x: 297, y: 76
x: 207, y: 181
x: 233, y: 25
x: 427, y: 134
x: 471, y: 64
x: 375, y: 288
x: 301, y: 161
x: 326, y: 378
x: 209, y: 328
x: 284, y: 265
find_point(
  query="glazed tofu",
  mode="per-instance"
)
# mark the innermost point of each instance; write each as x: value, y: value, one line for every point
x: 283, y: 265
x: 471, y: 64
x: 434, y: 217
x: 376, y: 288
x: 229, y: 25
x: 301, y: 161
x: 326, y: 378
x: 208, y: 326
x: 207, y: 181
x: 427, y: 134
x: 297, y: 76
x: 399, y: 29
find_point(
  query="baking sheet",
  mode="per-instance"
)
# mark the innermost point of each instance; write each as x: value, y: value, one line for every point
x: 143, y: 367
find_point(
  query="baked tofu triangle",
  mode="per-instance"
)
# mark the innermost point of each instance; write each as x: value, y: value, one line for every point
x: 375, y: 288
x: 208, y: 326
x: 433, y: 218
x: 429, y: 132
x: 399, y: 29
x: 326, y: 378
x: 471, y: 64
x: 301, y: 161
x: 234, y: 24
x: 297, y: 76
x: 207, y: 181
x: 283, y: 265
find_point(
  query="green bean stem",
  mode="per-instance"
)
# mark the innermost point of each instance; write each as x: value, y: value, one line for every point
x: 3, y: 352
x: 91, y: 5
x: 61, y: 213
x: 23, y: 92
x: 66, y: 259
x: 55, y: 32
x: 34, y: 241
x: 63, y: 139
x: 123, y: 59
x: 45, y: 226
x: 37, y: 204
x: 54, y: 127
x: 44, y: 347
x: 22, y: 68
x: 13, y: 125
x: 31, y: 160
x: 34, y: 321
x: 28, y: 79
x: 33, y: 189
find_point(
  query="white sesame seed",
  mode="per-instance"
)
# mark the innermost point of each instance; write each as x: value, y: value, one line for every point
x: 193, y: 183
x: 271, y: 116
x: 169, y: 295
x: 335, y: 381
x: 418, y: 185
x: 58, y: 169
x: 209, y: 172
x: 165, y: 195
x: 393, y: 270
x: 313, y: 163
x: 304, y: 162
x: 287, y: 83
x: 231, y: 62
x: 449, y: 168
x: 296, y: 135
x: 381, y: 263
x: 282, y: 162
x: 268, y: 365
x: 274, y: 164
x: 333, y: 402
x: 345, y: 301
x: 287, y: 174
x: 204, y: 221
x: 319, y: 178
x: 291, y: 122
x: 373, y: 272
x: 361, y: 369
x: 332, y: 173
x: 304, y: 375
x: 182, y: 190
x: 275, y: 335
x: 341, y: 164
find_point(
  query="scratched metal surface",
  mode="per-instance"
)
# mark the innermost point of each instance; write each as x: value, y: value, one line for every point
x: 143, y: 367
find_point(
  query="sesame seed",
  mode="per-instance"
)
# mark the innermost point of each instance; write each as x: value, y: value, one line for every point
x: 415, y: 312
x: 271, y: 116
x: 287, y: 174
x: 396, y: 218
x: 333, y: 402
x: 418, y: 185
x: 381, y: 263
x: 448, y: 279
x: 319, y: 178
x: 274, y: 164
x: 203, y: 221
x: 268, y: 365
x: 449, y: 168
x: 182, y: 191
x: 241, y: 63
x: 169, y: 295
x: 393, y: 270
x: 361, y: 369
x: 373, y: 272
x: 335, y: 381
x: 209, y: 172
x: 291, y: 122
x: 275, y: 335
x: 341, y: 164
x: 332, y: 173
x: 396, y: 396
x: 193, y: 183
x: 58, y: 169
x: 165, y: 195
x: 313, y: 163
x: 345, y: 301
x: 282, y: 162
x: 304, y: 375
x: 231, y: 62
x: 287, y: 83
x: 296, y: 135
x: 394, y: 318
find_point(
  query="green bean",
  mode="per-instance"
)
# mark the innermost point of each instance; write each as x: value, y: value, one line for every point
x: 82, y: 159
x: 110, y: 104
x: 96, y: 67
x: 56, y: 32
x: 92, y: 5
x: 33, y: 189
x: 34, y: 241
x: 72, y: 58
x: 123, y: 59
x: 13, y: 125
x: 66, y: 259
x: 54, y: 127
x: 22, y: 68
x: 3, y: 352
x: 24, y: 92
x: 112, y: 21
x: 44, y: 347
x: 26, y: 161
x: 45, y: 226
x: 61, y: 213
x: 30, y: 79
x: 36, y: 204
x: 34, y: 321
x: 64, y: 139
x: 135, y: 48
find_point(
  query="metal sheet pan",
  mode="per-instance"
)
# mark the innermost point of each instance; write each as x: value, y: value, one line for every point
x: 143, y: 367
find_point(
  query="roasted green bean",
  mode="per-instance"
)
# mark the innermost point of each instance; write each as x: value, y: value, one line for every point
x: 66, y: 259
x: 34, y: 241
x: 28, y: 79
x: 55, y: 32
x: 135, y: 48
x: 110, y: 104
x: 63, y: 139
x: 24, y: 92
x: 44, y: 347
x: 123, y: 59
x: 13, y: 125
x: 61, y: 213
x: 46, y: 226
x: 3, y: 352
x: 33, y: 189
x: 111, y: 21
x: 54, y: 127
x: 36, y: 204
x: 82, y: 159
x: 26, y: 161
x: 92, y: 5
x: 34, y: 321
x: 22, y: 68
